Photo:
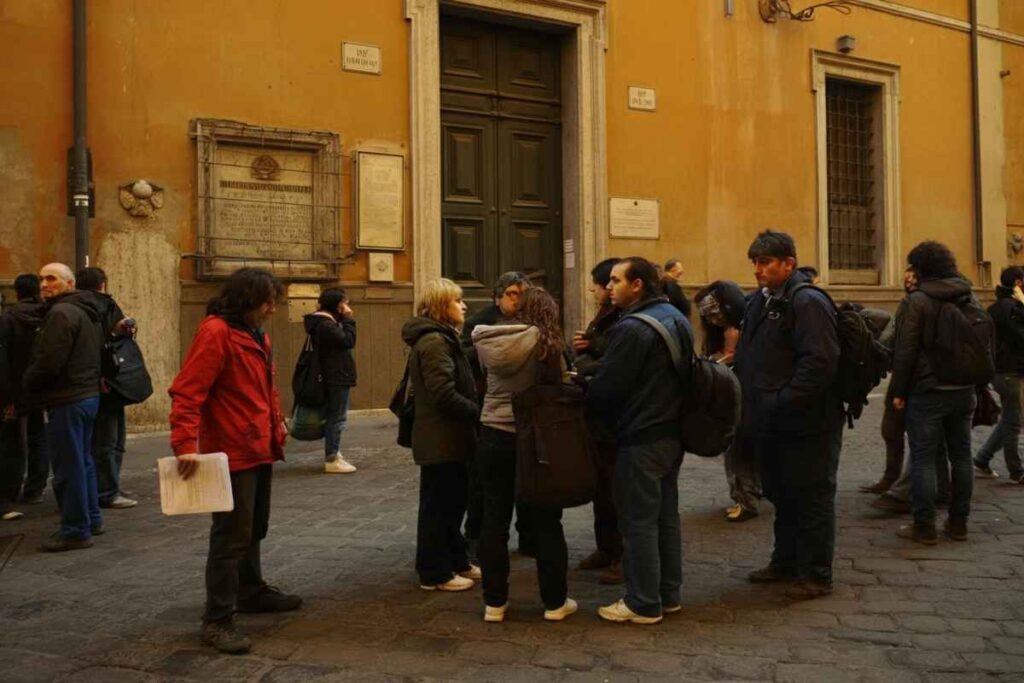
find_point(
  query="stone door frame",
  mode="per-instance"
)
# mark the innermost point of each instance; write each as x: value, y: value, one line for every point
x: 584, y: 171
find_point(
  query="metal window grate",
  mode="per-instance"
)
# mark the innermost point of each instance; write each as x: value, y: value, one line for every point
x: 852, y: 188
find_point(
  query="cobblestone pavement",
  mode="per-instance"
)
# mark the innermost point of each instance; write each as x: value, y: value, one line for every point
x: 128, y: 609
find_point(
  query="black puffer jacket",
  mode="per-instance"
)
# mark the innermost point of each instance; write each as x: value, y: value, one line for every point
x: 333, y: 340
x: 597, y: 331
x: 444, y: 429
x: 65, y: 366
x: 1008, y: 315
x: 18, y: 328
x: 911, y: 371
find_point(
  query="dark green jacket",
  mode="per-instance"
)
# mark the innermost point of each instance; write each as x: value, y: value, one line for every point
x: 444, y: 429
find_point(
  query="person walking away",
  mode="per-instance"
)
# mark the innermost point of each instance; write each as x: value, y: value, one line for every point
x: 514, y: 356
x: 443, y: 435
x: 109, y: 435
x: 24, y: 457
x: 1008, y: 315
x: 672, y: 286
x: 63, y: 378
x: 590, y: 346
x: 333, y: 331
x: 639, y: 390
x: 721, y: 305
x: 224, y: 400
x: 787, y: 361
x: 938, y: 397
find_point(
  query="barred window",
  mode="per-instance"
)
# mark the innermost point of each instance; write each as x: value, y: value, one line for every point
x: 855, y: 211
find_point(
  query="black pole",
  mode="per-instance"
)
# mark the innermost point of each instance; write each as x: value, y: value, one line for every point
x: 979, y: 213
x: 79, y: 175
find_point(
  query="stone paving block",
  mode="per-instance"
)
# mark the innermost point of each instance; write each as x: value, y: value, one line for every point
x: 898, y: 607
x: 551, y: 657
x: 207, y: 664
x: 308, y: 673
x: 885, y: 565
x: 876, y: 637
x: 1013, y: 628
x: 601, y: 676
x: 967, y: 568
x: 840, y: 654
x: 728, y: 668
x: 922, y: 623
x: 942, y: 677
x: 645, y: 661
x: 1012, y: 646
x: 996, y: 662
x: 821, y: 673
x: 494, y: 652
x: 106, y: 674
x: 974, y: 627
x: 930, y: 660
x: 950, y: 642
x: 868, y: 622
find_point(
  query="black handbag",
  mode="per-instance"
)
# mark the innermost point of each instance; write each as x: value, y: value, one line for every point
x: 403, y: 405
x: 307, y: 381
x: 555, y: 457
x: 987, y: 412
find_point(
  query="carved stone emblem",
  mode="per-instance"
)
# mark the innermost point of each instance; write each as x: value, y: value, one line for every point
x: 265, y: 167
x: 140, y: 198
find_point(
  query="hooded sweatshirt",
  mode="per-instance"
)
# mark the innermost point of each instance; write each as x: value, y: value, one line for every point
x: 911, y: 371
x: 18, y: 328
x: 65, y: 366
x: 506, y: 351
x: 334, y: 339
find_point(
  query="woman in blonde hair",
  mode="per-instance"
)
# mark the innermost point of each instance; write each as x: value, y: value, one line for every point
x: 443, y: 435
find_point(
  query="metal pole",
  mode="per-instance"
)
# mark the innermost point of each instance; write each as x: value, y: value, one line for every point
x: 79, y: 177
x: 979, y: 213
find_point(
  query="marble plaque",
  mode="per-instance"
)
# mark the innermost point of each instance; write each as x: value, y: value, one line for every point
x: 380, y: 182
x: 263, y: 204
x: 362, y: 58
x: 634, y: 218
x: 642, y: 99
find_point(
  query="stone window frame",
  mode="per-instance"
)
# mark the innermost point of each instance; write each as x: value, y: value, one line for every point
x: 825, y: 65
x: 326, y: 148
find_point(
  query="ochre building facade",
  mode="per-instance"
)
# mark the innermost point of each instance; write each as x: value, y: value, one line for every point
x: 380, y: 144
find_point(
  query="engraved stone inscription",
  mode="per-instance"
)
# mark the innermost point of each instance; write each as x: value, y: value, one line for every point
x: 263, y: 203
x: 380, y: 188
x: 634, y: 218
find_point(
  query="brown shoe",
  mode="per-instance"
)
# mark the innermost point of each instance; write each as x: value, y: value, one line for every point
x: 887, y: 503
x: 880, y: 486
x: 613, y: 576
x: 920, y: 533
x: 956, y: 529
x: 809, y: 590
x: 771, y: 574
x: 595, y: 560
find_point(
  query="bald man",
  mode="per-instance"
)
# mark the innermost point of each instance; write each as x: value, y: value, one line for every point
x: 63, y: 378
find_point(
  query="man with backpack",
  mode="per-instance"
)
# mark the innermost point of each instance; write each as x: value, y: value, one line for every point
x: 943, y: 350
x: 787, y: 361
x: 638, y: 389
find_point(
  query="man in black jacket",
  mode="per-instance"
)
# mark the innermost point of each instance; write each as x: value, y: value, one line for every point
x: 1008, y: 315
x: 937, y: 411
x: 786, y: 361
x: 109, y: 434
x: 23, y: 454
x: 639, y: 390
x: 63, y: 377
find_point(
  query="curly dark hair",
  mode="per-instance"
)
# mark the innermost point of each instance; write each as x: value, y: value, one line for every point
x: 932, y: 260
x: 539, y: 308
x: 245, y: 290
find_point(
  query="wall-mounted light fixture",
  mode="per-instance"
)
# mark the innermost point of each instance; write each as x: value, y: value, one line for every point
x: 773, y: 10
x: 846, y: 43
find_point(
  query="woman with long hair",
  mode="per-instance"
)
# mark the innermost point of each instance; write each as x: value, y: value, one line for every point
x: 514, y: 355
x: 224, y: 400
x: 443, y: 435
x: 332, y: 330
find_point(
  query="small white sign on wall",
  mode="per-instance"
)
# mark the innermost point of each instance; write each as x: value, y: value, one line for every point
x: 362, y: 58
x: 642, y: 99
x: 634, y: 218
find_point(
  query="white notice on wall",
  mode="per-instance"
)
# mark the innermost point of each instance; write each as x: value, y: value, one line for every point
x: 634, y: 218
x: 362, y: 58
x: 208, y: 490
x: 644, y: 99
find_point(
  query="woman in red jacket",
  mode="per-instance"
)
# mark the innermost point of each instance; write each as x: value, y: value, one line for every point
x: 224, y: 400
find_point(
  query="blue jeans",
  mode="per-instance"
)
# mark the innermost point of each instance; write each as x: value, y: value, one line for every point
x: 108, y: 444
x: 934, y: 417
x: 1006, y: 434
x: 334, y: 419
x: 647, y: 497
x: 69, y: 432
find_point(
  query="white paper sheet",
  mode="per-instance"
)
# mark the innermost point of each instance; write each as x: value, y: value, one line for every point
x: 208, y: 490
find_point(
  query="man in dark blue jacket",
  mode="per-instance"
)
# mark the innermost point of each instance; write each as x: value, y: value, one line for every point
x: 786, y: 361
x: 638, y: 390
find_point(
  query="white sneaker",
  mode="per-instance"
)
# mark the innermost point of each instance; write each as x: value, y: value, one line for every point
x: 562, y: 612
x: 453, y: 585
x: 620, y: 613
x: 339, y: 466
x: 495, y: 615
x: 11, y: 515
x: 473, y: 573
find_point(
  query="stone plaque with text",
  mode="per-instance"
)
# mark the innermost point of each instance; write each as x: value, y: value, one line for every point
x: 634, y: 218
x: 380, y: 185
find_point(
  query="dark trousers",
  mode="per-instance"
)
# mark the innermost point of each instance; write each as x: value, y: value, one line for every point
x: 69, y: 434
x: 335, y: 419
x: 741, y: 471
x: 1006, y: 434
x: 233, y: 568
x: 497, y: 457
x: 24, y: 457
x: 606, y: 521
x: 799, y: 478
x: 647, y: 497
x: 474, y: 504
x: 440, y: 546
x: 894, y: 426
x: 108, y: 445
x: 935, y: 417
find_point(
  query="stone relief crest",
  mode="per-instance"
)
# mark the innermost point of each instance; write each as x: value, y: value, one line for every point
x: 265, y: 167
x: 140, y: 198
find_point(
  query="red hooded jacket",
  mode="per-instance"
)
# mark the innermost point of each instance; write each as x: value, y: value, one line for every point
x: 224, y: 398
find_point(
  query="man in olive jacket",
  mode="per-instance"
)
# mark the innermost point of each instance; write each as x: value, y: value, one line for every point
x: 64, y: 379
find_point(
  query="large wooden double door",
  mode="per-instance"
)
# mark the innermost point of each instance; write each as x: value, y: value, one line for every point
x: 501, y: 204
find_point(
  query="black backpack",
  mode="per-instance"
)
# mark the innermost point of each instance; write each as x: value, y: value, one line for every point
x: 960, y: 352
x: 863, y: 361
x: 711, y: 400
x: 132, y: 382
x: 307, y: 380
